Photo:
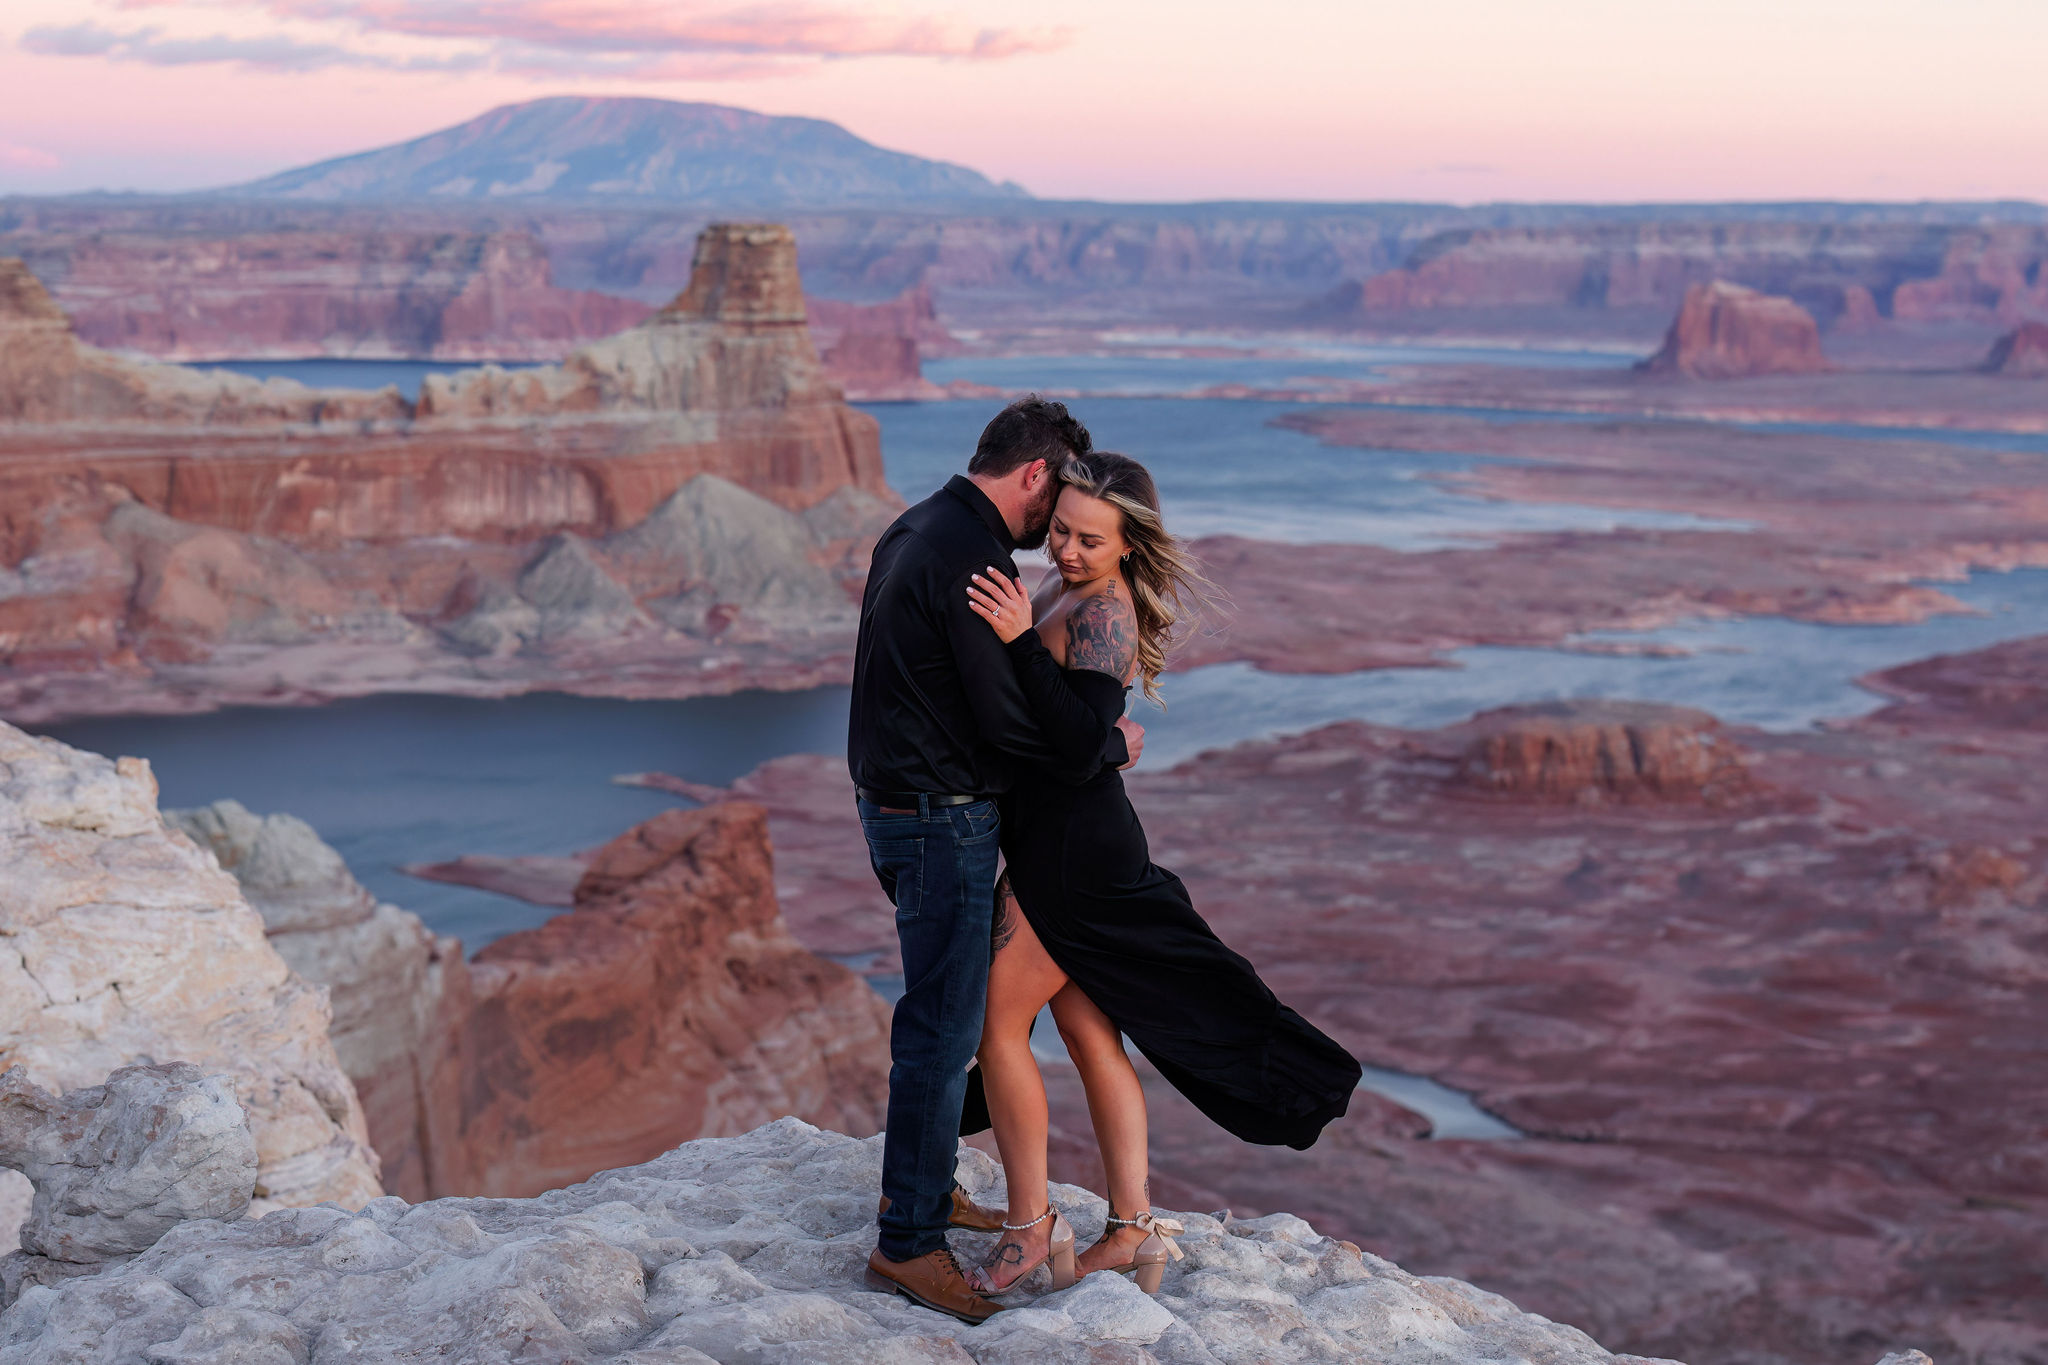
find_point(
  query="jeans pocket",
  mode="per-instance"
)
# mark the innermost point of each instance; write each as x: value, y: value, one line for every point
x: 900, y: 864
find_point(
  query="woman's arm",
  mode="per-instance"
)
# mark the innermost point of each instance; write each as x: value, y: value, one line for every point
x: 1077, y: 711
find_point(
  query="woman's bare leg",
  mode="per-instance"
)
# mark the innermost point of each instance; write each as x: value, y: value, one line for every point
x: 1116, y: 1106
x: 1021, y: 979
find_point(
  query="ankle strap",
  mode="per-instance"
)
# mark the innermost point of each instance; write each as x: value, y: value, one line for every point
x: 1116, y: 1222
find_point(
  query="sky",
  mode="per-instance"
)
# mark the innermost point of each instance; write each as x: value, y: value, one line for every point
x: 1440, y: 100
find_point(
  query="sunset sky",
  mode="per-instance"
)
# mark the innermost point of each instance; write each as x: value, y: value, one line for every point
x: 1459, y: 100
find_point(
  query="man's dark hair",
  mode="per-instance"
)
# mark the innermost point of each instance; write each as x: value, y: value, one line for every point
x: 1032, y: 428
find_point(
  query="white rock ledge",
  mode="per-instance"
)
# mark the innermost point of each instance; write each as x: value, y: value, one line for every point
x: 746, y: 1251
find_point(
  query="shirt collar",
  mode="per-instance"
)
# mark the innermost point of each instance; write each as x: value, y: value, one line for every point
x: 969, y: 492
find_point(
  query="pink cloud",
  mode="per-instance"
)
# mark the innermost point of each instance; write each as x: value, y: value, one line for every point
x: 17, y: 157
x: 636, y: 34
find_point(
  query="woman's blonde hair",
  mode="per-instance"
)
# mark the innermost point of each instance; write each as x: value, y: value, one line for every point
x: 1167, y: 584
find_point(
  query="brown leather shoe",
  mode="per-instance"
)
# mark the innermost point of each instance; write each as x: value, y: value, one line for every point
x: 934, y: 1280
x: 967, y: 1215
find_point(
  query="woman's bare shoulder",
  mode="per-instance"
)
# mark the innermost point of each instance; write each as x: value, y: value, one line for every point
x: 1102, y: 632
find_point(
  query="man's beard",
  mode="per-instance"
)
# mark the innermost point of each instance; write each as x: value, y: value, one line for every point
x: 1038, y: 516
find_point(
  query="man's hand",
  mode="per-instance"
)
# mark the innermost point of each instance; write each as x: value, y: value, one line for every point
x: 1134, y: 738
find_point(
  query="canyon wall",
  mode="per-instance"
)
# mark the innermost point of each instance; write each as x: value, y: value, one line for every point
x: 1523, y: 270
x: 669, y: 1003
x: 156, y: 519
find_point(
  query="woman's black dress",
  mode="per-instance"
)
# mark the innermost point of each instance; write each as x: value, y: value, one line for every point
x: 1125, y: 931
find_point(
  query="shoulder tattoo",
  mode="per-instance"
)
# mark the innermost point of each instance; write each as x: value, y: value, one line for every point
x: 1102, y: 634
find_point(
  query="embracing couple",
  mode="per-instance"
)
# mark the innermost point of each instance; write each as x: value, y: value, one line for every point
x: 987, y: 722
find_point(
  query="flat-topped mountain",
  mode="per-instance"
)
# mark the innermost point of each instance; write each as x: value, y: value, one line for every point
x: 570, y: 148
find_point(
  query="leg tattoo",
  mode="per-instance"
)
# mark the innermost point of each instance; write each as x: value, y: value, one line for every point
x: 1005, y: 922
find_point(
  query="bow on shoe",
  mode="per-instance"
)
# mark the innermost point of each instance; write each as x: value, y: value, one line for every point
x: 1165, y: 1229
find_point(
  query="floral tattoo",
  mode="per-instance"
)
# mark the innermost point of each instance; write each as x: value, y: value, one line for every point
x: 1102, y: 634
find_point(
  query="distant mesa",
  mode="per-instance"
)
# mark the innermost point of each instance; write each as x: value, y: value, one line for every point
x: 1725, y: 331
x: 579, y: 148
x: 2022, y: 351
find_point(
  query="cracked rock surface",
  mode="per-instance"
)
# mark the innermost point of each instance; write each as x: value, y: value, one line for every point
x: 740, y: 1250
x: 116, y: 1166
x: 122, y: 942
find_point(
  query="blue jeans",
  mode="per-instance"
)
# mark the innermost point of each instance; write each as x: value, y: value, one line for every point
x: 939, y: 867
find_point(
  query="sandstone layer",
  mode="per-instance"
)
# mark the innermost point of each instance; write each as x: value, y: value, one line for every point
x: 1521, y: 271
x: 373, y: 294
x: 1725, y: 331
x: 1765, y: 1007
x: 669, y: 1003
x: 743, y: 1249
x: 170, y: 538
x: 125, y: 943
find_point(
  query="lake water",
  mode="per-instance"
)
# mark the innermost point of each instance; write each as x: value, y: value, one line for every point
x: 1223, y: 468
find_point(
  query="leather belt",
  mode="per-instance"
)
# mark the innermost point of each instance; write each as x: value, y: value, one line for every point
x: 909, y: 800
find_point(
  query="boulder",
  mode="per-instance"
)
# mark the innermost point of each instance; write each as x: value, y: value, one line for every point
x: 127, y: 944
x: 1725, y: 331
x: 115, y: 1166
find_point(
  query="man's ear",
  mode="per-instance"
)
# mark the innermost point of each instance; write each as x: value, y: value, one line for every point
x: 1035, y: 473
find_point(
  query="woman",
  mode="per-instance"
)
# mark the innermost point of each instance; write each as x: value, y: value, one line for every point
x: 1087, y: 922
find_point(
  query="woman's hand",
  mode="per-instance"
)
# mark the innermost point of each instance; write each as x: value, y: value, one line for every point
x: 1000, y: 601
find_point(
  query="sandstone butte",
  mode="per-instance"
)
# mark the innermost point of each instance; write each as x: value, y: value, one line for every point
x: 1726, y: 331
x: 2022, y: 351
x: 670, y: 1002
x: 171, y: 537
x: 1766, y: 1008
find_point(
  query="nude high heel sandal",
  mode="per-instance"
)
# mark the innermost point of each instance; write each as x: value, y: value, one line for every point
x: 1148, y: 1263
x: 1059, y: 1256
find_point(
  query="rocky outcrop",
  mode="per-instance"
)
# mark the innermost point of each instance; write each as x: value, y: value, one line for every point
x: 669, y: 1003
x: 464, y: 547
x: 125, y: 943
x: 2022, y: 351
x: 117, y: 1165
x: 1724, y: 331
x: 751, y: 1249
x: 386, y: 975
x: 1587, y: 752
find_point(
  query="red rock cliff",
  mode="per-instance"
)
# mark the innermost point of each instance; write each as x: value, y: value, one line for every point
x: 670, y: 1003
x: 1724, y: 331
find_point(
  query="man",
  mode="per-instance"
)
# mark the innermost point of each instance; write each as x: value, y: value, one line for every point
x: 939, y: 727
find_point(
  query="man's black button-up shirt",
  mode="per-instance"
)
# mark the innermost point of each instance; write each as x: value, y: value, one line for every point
x: 936, y: 704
